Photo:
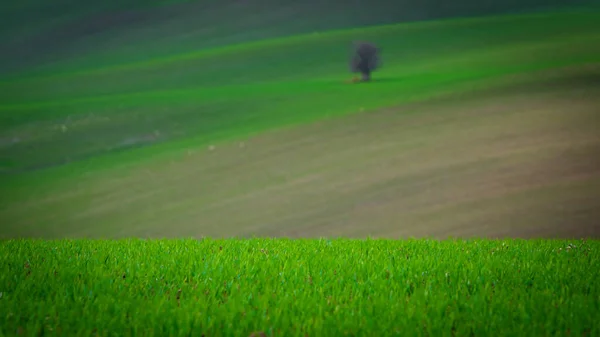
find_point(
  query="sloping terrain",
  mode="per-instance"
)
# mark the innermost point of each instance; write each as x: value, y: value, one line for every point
x: 192, y: 99
x: 522, y: 160
x: 37, y: 35
x: 124, y: 149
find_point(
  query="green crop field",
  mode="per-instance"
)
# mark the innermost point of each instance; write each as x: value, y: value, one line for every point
x: 300, y: 288
x: 122, y: 149
x: 264, y: 154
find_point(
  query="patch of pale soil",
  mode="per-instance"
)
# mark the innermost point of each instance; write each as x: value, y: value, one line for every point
x: 514, y: 164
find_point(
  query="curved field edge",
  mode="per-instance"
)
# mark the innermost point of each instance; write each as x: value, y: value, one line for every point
x: 300, y: 287
x: 294, y: 58
x: 130, y: 160
x: 245, y: 109
x: 466, y: 65
x: 573, y: 14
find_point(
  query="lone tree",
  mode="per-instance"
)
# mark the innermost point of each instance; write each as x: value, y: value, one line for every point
x: 365, y: 59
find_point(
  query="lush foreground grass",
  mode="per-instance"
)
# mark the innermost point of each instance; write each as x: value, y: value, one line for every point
x: 298, y: 288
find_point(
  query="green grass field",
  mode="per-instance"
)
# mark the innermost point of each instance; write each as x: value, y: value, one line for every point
x: 482, y: 127
x: 300, y: 288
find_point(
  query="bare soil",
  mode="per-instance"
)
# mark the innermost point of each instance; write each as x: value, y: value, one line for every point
x: 515, y: 163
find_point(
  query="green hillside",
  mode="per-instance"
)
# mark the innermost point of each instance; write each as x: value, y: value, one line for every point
x: 92, y: 150
x: 38, y: 36
x: 194, y: 98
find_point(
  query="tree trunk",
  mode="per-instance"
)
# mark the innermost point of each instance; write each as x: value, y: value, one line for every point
x: 366, y: 76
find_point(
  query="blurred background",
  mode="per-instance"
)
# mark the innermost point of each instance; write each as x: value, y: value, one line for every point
x: 36, y: 33
x: 158, y: 118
